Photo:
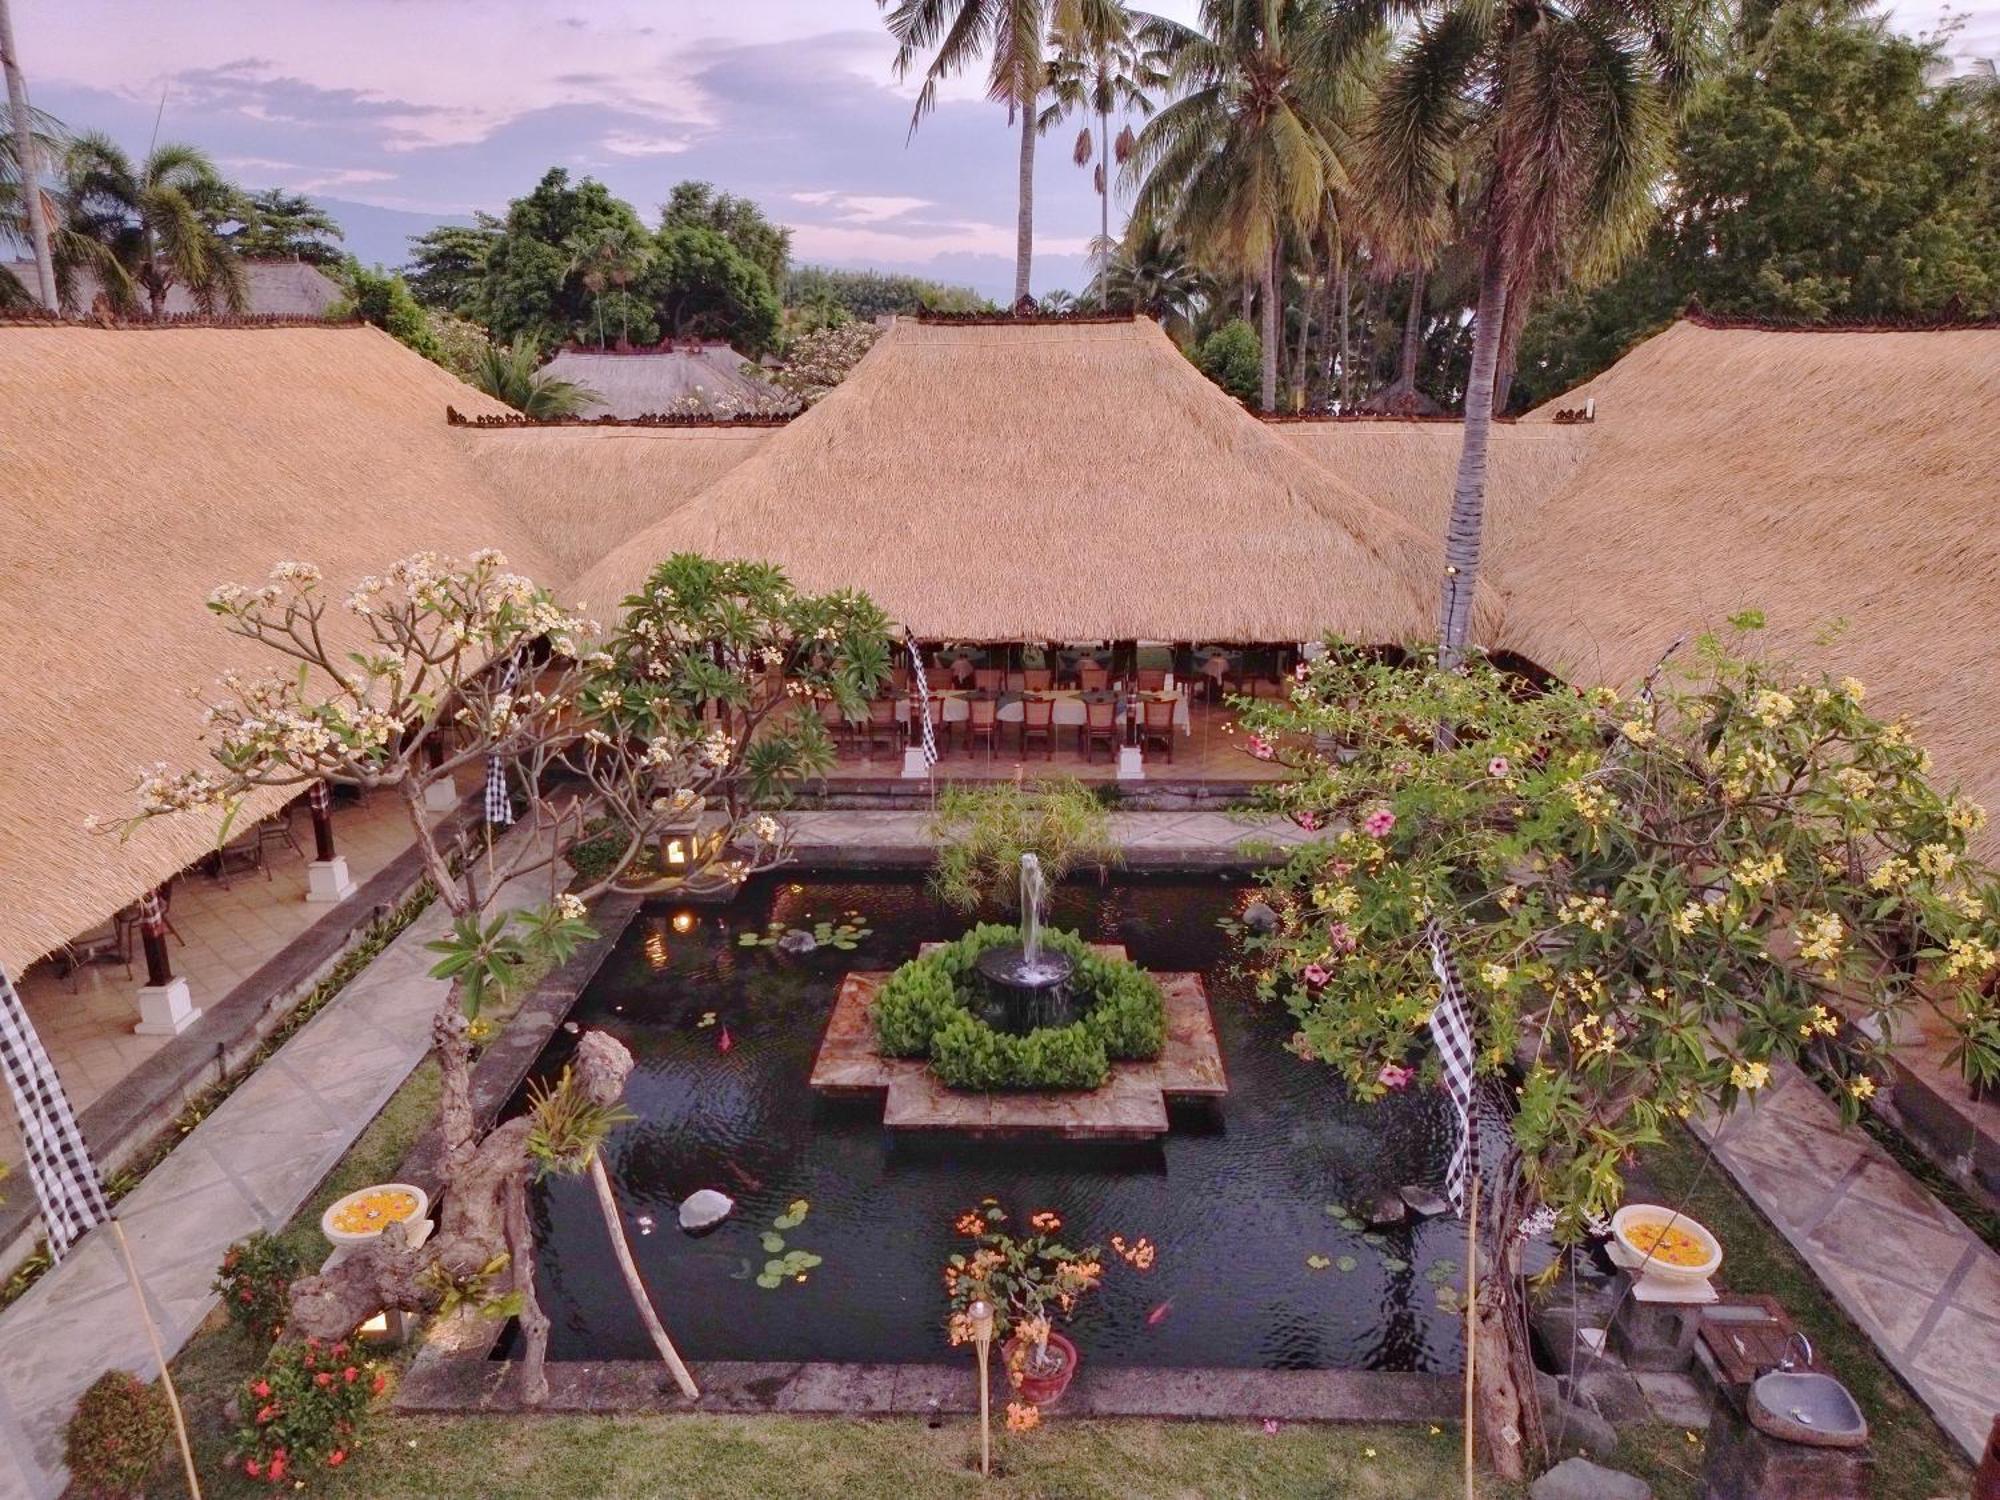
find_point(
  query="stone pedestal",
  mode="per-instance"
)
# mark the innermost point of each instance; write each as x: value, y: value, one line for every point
x: 1650, y: 1334
x: 915, y: 767
x: 166, y: 1009
x: 327, y: 880
x: 1744, y: 1464
x: 441, y: 796
x: 1131, y: 763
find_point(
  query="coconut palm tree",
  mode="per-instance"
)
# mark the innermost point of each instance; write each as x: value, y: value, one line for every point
x: 608, y: 257
x: 1150, y: 273
x: 1252, y: 147
x: 512, y: 373
x: 1558, y: 116
x: 1100, y: 69
x: 147, y: 226
x: 18, y: 211
x: 1012, y: 35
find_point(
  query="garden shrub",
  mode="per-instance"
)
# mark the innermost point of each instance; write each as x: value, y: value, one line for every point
x: 255, y: 1283
x: 304, y: 1410
x: 925, y: 1009
x: 116, y: 1441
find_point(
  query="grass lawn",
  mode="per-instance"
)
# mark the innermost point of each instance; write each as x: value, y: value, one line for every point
x: 665, y: 1458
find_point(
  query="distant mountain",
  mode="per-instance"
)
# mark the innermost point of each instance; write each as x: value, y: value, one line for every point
x: 381, y: 236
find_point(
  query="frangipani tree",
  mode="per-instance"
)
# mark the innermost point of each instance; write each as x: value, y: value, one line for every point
x: 667, y: 730
x: 1650, y: 900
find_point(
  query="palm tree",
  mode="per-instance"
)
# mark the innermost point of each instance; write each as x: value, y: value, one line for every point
x: 610, y: 256
x: 1250, y: 151
x: 19, y: 212
x: 512, y: 373
x: 1559, y: 115
x: 1101, y: 68
x: 24, y: 153
x: 1012, y: 35
x: 1151, y: 274
x: 148, y: 226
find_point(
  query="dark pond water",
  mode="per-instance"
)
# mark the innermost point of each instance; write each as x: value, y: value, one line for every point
x: 1236, y: 1197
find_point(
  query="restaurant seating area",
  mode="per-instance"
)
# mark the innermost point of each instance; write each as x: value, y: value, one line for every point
x: 1067, y: 709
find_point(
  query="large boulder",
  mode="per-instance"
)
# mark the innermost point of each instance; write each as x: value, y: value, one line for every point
x: 1580, y: 1479
x: 705, y: 1209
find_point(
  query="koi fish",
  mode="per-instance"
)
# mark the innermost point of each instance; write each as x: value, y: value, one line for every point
x: 1159, y: 1314
x: 723, y: 1041
x: 749, y: 1182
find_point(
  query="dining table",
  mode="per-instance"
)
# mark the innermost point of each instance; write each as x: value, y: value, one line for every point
x: 1070, y: 704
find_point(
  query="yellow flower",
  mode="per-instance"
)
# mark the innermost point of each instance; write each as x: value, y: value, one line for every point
x: 1367, y: 1452
x: 1821, y: 1021
x: 1965, y: 816
x: 1891, y: 873
x: 1750, y: 1076
x: 1853, y: 688
x: 1968, y: 955
x: 1935, y: 860
x: 1636, y: 732
x: 1820, y: 935
x: 1755, y: 874
x: 1494, y: 975
x: 1861, y: 1086
x: 1770, y: 707
x: 1683, y: 921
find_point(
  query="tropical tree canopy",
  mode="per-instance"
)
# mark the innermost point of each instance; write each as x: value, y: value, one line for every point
x: 145, y: 226
x: 277, y: 225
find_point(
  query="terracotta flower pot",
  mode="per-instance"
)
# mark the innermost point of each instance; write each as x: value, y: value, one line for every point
x: 1044, y: 1389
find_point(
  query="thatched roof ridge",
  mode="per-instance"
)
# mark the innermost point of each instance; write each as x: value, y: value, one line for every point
x: 581, y: 490
x: 1069, y: 479
x: 150, y: 470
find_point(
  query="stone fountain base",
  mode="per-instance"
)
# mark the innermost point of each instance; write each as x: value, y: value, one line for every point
x: 1131, y: 1106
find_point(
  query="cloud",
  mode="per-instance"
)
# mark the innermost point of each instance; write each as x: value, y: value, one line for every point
x: 632, y: 143
x: 861, y: 208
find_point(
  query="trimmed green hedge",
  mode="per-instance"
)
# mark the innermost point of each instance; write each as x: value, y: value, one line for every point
x: 924, y: 1009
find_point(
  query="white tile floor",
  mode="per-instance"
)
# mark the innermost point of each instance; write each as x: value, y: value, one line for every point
x: 228, y: 935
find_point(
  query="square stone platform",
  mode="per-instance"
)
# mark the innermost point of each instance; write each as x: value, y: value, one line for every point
x: 1131, y: 1106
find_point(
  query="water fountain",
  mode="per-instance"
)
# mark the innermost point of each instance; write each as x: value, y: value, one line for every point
x: 1026, y: 987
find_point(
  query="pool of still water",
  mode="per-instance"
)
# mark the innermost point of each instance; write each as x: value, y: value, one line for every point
x: 1254, y: 1267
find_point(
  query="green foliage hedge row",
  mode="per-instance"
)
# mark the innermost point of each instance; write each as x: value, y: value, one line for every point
x: 924, y: 1009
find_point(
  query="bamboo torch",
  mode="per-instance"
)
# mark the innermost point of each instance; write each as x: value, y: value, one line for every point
x: 981, y: 1314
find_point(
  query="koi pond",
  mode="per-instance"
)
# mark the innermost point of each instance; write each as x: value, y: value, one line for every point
x: 1255, y: 1203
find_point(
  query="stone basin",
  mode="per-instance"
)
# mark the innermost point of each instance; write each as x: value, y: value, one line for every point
x: 1802, y: 1407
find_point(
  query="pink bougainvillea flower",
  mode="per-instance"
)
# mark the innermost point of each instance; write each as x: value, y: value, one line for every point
x: 1497, y: 766
x: 1378, y: 823
x: 1395, y: 1076
x: 1341, y: 936
x: 1316, y: 975
x: 1260, y: 747
x: 1270, y: 1427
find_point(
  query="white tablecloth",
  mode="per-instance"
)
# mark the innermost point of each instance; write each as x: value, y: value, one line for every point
x: 1068, y: 711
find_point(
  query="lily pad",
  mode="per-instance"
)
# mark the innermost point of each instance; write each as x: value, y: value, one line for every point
x: 1317, y: 1262
x: 1346, y: 1263
x: 1394, y: 1265
x: 772, y: 1243
x: 769, y: 1282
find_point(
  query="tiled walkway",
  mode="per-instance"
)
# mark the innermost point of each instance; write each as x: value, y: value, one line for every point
x: 1915, y: 1279
x: 248, y: 1166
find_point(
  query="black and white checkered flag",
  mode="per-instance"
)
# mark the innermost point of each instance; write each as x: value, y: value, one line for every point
x: 1480, y: 1111
x: 59, y: 1164
x: 923, y: 703
x: 499, y: 805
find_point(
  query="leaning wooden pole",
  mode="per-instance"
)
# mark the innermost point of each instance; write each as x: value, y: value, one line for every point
x: 621, y: 1247
x: 1471, y: 1320
x: 160, y: 1359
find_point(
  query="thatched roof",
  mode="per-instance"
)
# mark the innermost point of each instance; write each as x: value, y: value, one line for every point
x: 1053, y: 481
x: 1820, y: 477
x: 272, y: 288
x: 645, y: 381
x: 138, y: 470
x: 580, y: 491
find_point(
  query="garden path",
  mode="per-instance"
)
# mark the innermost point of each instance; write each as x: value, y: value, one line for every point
x: 1913, y: 1277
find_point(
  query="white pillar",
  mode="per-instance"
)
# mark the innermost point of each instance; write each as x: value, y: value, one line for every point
x: 166, y: 1009
x: 1131, y: 763
x: 327, y: 880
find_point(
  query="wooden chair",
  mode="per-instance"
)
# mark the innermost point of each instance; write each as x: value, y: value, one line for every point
x: 110, y: 942
x: 985, y: 721
x: 834, y: 720
x: 1152, y: 679
x: 1156, y: 722
x: 1038, y: 717
x: 1091, y: 677
x: 988, y: 679
x: 1100, y: 722
x: 244, y: 852
x: 277, y: 829
x: 885, y: 722
x: 1038, y: 679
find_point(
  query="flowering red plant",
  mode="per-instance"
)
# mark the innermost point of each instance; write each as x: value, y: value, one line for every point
x: 304, y: 1411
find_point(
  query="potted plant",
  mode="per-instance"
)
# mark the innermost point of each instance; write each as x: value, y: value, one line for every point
x: 1030, y: 1281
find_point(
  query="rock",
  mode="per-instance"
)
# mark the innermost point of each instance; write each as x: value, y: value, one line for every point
x: 705, y: 1209
x: 1261, y: 918
x: 797, y: 941
x: 1580, y: 1479
x: 1571, y: 1427
x: 1385, y: 1209
x: 1676, y: 1399
x: 1423, y: 1201
x: 1614, y: 1394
